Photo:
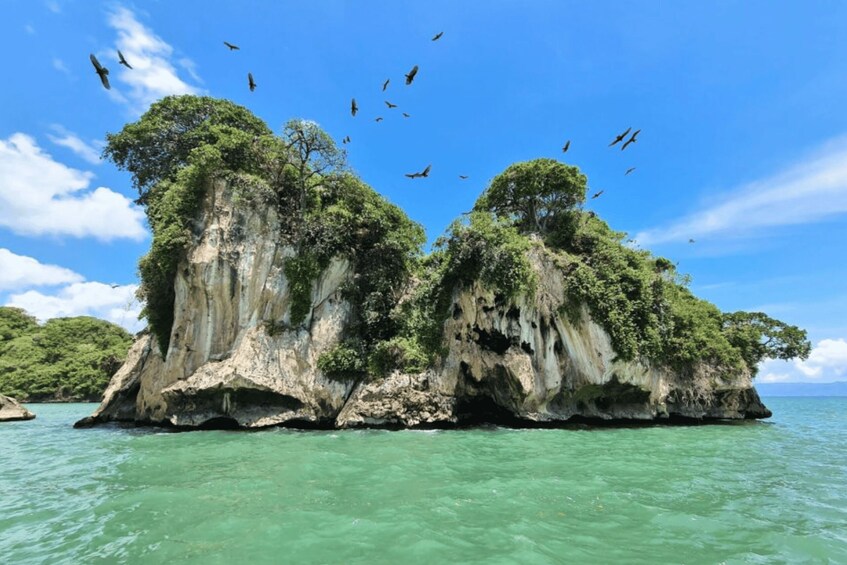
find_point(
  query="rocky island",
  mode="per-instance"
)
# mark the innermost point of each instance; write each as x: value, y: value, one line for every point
x: 11, y: 410
x: 282, y: 290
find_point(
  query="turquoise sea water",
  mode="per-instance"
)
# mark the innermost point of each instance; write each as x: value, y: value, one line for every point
x: 751, y: 493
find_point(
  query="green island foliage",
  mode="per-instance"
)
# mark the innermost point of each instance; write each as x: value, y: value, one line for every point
x: 401, y: 297
x: 65, y: 359
x: 640, y: 300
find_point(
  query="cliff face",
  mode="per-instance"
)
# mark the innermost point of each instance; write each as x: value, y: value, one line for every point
x: 235, y: 359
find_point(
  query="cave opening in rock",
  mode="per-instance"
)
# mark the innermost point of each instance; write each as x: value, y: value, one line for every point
x: 220, y: 423
x: 475, y: 410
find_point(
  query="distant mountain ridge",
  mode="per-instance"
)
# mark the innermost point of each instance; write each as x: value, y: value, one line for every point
x: 803, y: 389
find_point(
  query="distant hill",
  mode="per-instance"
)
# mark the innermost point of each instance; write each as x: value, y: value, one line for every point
x: 62, y: 360
x: 802, y: 389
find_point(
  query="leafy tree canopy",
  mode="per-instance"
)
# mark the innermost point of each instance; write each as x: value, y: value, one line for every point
x: 537, y: 195
x: 14, y: 322
x: 64, y: 359
x: 156, y: 146
x: 759, y: 337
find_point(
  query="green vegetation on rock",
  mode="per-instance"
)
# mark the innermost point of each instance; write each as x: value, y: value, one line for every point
x: 65, y: 359
x: 400, y: 297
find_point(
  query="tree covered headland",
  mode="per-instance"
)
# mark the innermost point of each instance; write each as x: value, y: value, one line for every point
x: 401, y: 296
x: 64, y: 359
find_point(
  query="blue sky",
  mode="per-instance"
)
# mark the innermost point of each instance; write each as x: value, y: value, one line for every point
x: 741, y: 105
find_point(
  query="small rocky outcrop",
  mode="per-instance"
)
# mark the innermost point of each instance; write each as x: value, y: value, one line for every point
x: 11, y: 410
x: 235, y: 358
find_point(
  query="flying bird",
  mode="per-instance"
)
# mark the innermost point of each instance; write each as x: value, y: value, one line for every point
x: 250, y: 82
x: 424, y: 173
x: 379, y: 119
x: 231, y: 46
x: 629, y: 170
x: 566, y: 147
x: 631, y: 139
x: 597, y: 195
x: 463, y: 177
x: 122, y: 60
x: 353, y: 107
x: 619, y: 138
x: 405, y: 115
x: 438, y: 36
x: 390, y: 105
x: 346, y: 140
x: 114, y: 285
x: 690, y: 241
x: 411, y: 76
x: 101, y: 71
x: 385, y: 84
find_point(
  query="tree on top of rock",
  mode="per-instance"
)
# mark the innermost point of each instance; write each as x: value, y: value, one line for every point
x: 159, y: 144
x: 537, y: 195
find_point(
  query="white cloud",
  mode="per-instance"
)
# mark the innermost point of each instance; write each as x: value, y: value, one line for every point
x: 96, y: 299
x: 39, y: 196
x: 70, y: 140
x: 828, y: 358
x: 19, y: 271
x: 53, y: 6
x: 29, y: 29
x: 153, y: 75
x: 59, y: 65
x: 775, y: 378
x: 811, y: 191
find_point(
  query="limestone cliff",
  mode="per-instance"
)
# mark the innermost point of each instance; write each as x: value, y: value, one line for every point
x: 236, y: 359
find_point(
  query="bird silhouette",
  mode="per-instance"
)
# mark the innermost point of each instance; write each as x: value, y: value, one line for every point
x: 231, y: 46
x: 101, y: 71
x: 629, y: 170
x: 463, y: 177
x: 405, y: 115
x: 385, y: 84
x: 438, y: 36
x: 631, y: 139
x: 411, y: 76
x: 690, y: 241
x: 390, y: 105
x: 424, y: 173
x: 567, y: 146
x: 250, y: 82
x: 619, y: 138
x: 379, y: 119
x: 353, y: 107
x: 114, y: 285
x: 122, y: 60
x: 597, y: 195
x: 346, y: 140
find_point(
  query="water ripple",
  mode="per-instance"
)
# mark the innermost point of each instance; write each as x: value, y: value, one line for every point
x: 751, y: 493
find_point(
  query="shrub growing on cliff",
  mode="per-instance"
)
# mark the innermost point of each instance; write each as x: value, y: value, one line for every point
x: 481, y: 248
x: 342, y: 362
x: 64, y: 359
x: 349, y: 220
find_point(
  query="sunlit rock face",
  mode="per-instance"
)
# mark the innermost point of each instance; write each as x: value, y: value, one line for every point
x: 522, y: 362
x: 236, y: 360
x: 11, y: 410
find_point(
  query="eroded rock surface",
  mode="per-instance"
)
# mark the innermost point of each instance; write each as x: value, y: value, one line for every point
x: 236, y: 360
x: 11, y: 410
